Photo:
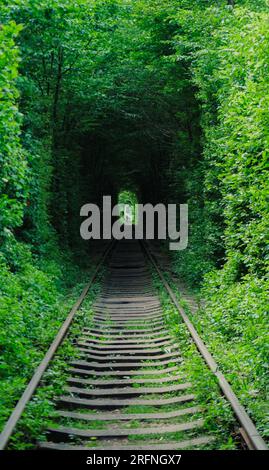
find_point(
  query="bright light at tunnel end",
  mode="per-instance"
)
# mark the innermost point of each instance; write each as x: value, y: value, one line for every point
x: 151, y: 222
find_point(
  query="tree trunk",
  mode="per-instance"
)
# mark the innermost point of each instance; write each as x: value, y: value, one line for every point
x: 58, y: 84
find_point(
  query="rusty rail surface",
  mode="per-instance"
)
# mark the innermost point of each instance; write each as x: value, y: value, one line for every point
x: 252, y: 437
x: 127, y: 357
x: 37, y: 376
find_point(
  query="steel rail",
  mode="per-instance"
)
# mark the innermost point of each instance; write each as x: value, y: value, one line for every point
x: 37, y: 376
x: 253, y: 439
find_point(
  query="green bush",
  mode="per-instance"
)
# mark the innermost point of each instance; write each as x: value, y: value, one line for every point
x: 14, y: 183
x: 169, y: 99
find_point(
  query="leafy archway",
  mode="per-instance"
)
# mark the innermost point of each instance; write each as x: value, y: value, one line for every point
x: 129, y: 201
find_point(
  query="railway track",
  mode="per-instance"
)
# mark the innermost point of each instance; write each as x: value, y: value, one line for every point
x: 125, y: 389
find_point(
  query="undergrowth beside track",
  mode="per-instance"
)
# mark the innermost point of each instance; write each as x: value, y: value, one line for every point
x: 219, y: 417
x: 41, y: 408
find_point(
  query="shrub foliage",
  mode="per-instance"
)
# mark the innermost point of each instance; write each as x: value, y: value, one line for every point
x: 165, y: 99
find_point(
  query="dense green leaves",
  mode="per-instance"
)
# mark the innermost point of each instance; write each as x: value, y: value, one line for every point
x: 166, y: 99
x: 13, y: 161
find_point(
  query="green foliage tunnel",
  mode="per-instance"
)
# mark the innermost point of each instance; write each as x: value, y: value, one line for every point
x: 165, y: 99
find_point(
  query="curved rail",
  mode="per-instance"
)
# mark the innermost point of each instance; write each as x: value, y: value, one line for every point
x: 250, y: 433
x: 37, y: 376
